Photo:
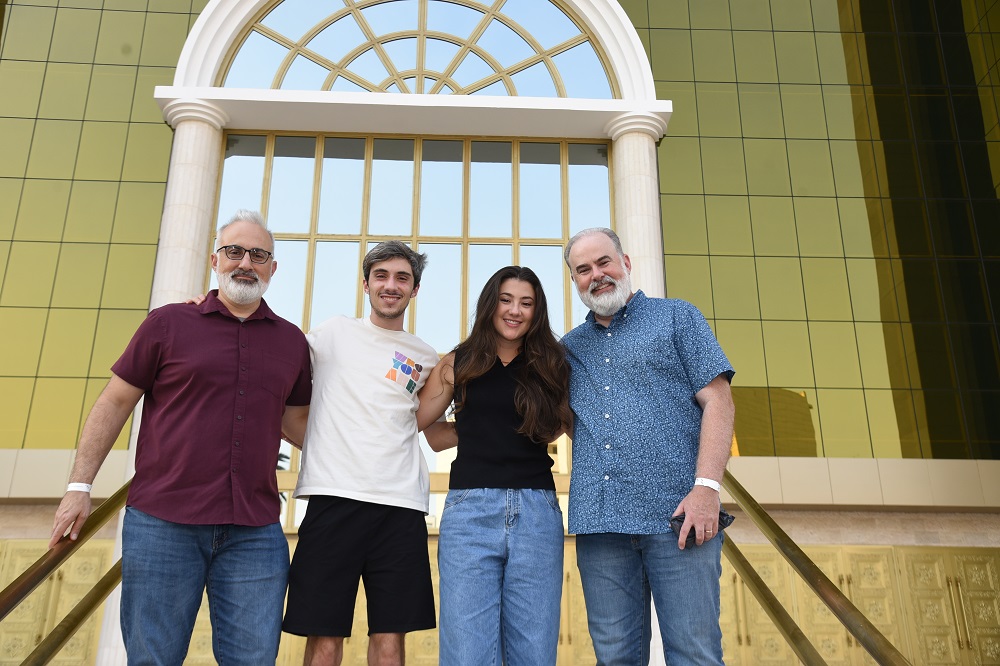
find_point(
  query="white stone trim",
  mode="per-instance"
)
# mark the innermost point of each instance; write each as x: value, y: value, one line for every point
x: 176, y: 111
x: 222, y: 21
x: 357, y: 112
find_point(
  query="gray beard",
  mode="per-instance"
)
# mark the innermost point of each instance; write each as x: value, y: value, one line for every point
x: 242, y: 293
x: 605, y: 305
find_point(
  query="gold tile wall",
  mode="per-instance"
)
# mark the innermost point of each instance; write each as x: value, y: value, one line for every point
x: 83, y: 164
x: 829, y: 202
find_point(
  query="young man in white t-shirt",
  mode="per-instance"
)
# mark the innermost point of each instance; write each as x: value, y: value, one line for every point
x: 364, y: 475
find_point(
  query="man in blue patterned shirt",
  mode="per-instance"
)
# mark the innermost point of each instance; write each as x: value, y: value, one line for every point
x: 653, y: 412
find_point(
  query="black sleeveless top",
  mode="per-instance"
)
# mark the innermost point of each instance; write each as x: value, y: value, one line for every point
x: 491, y: 453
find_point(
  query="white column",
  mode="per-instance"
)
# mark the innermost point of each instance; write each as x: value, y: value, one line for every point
x: 637, y: 222
x: 637, y: 196
x: 189, y: 202
x: 181, y: 262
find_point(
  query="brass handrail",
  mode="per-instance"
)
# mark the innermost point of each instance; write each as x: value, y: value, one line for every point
x: 45, y: 651
x: 36, y: 574
x: 866, y: 633
x: 794, y: 636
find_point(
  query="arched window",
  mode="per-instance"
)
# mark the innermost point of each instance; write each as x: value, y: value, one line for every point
x: 512, y: 47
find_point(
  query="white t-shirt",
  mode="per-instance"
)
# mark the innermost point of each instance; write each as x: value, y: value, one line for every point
x: 361, y: 440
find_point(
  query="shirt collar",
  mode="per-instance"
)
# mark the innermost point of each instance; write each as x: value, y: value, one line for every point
x: 213, y: 304
x: 633, y: 304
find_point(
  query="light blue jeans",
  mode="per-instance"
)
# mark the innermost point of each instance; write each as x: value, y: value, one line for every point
x: 500, y: 557
x: 165, y: 570
x: 620, y: 572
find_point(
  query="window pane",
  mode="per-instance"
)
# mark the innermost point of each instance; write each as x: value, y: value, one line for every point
x: 293, y: 18
x: 438, y: 53
x: 438, y: 303
x: 369, y: 67
x: 342, y: 187
x: 589, y: 191
x: 441, y: 188
x: 242, y: 175
x: 542, y: 19
x: 337, y: 270
x: 472, y: 69
x: 451, y: 19
x: 490, y: 208
x: 547, y: 262
x: 504, y: 44
x: 582, y: 73
x: 535, y: 81
x: 287, y: 291
x: 391, y: 16
x: 256, y: 63
x: 540, y: 191
x: 391, y: 210
x: 403, y: 53
x: 292, y: 174
x: 337, y: 39
x: 304, y: 74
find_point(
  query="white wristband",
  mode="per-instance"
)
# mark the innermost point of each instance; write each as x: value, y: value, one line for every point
x: 708, y: 483
x: 79, y: 487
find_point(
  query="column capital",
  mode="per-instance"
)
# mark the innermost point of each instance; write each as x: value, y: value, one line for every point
x: 637, y: 121
x: 179, y: 110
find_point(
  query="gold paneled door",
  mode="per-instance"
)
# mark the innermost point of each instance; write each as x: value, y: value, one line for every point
x: 953, y: 597
x: 27, y: 624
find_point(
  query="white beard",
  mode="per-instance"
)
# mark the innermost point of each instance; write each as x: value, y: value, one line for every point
x: 605, y: 305
x: 240, y: 292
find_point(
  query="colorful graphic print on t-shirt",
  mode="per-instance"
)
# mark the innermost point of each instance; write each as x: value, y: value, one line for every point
x: 405, y: 371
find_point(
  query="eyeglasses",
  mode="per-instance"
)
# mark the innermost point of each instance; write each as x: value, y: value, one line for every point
x: 235, y: 252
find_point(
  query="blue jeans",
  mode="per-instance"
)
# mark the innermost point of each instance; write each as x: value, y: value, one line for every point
x: 165, y: 570
x: 500, y: 557
x: 620, y: 572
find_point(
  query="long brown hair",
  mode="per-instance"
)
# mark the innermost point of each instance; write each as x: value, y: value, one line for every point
x: 543, y: 383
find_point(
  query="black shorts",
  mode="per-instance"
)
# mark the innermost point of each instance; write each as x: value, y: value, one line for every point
x: 343, y: 540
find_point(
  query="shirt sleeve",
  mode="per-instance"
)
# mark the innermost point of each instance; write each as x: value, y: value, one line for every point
x: 699, y: 351
x: 302, y: 389
x: 139, y: 363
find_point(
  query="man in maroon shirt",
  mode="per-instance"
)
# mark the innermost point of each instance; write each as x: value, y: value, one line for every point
x: 218, y: 380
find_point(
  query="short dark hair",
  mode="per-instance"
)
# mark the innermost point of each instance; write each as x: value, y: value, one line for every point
x: 590, y: 232
x: 393, y: 249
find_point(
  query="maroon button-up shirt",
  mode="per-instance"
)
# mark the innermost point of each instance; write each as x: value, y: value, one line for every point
x: 215, y: 391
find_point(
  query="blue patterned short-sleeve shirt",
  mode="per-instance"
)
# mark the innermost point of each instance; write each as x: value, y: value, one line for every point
x: 637, y: 423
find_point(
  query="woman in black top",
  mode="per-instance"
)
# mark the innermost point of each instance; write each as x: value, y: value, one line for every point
x: 500, y: 549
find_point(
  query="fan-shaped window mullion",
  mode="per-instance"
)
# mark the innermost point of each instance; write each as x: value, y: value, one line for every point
x: 374, y: 42
x: 467, y: 46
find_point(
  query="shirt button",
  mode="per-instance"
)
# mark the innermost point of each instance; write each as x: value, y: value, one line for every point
x: 237, y: 442
x: 606, y: 477
x: 607, y: 446
x: 244, y: 345
x: 242, y: 392
x: 607, y: 416
x: 606, y: 388
x: 607, y: 360
x: 243, y: 368
x: 609, y: 335
x: 239, y: 417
